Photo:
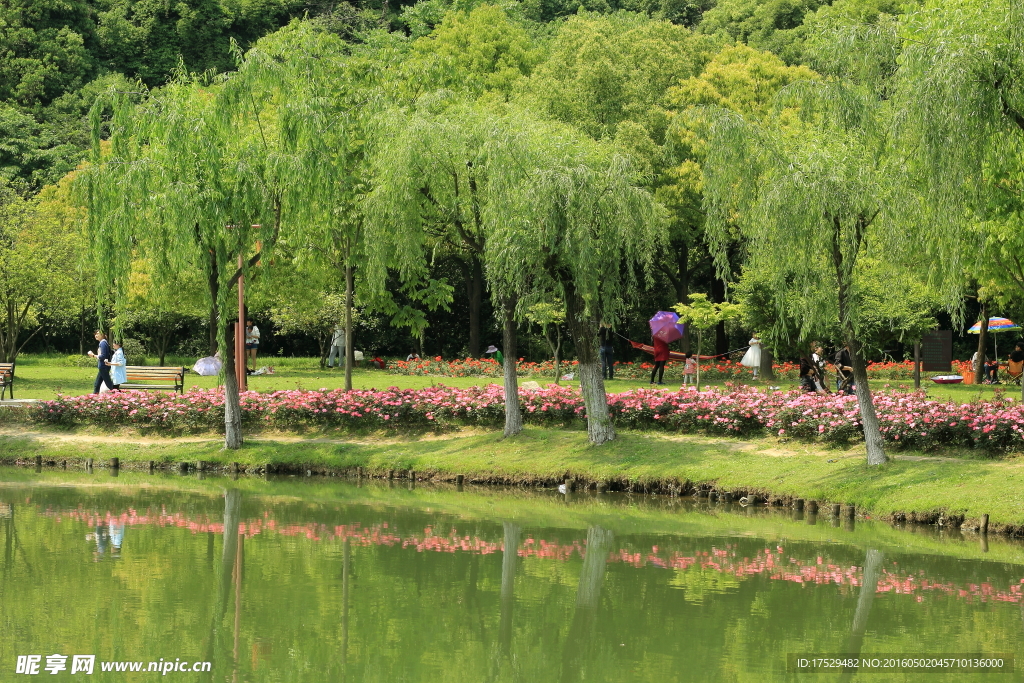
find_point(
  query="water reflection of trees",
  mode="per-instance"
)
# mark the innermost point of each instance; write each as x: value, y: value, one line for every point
x: 865, y: 598
x: 578, y: 660
x: 774, y: 563
x: 382, y: 595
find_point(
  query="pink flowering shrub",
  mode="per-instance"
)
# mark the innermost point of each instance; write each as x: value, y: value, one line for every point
x: 906, y: 420
x: 716, y: 370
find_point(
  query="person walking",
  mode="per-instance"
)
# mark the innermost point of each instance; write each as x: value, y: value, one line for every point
x: 102, y: 356
x: 252, y: 344
x: 337, y: 347
x: 607, y: 337
x: 661, y: 352
x: 118, y: 365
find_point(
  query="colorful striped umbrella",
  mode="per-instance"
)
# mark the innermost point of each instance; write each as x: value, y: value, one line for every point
x: 995, y: 325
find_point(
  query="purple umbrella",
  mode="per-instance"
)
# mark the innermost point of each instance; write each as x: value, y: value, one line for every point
x: 665, y: 326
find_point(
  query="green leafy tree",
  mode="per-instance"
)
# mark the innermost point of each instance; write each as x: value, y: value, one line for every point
x: 194, y: 175
x: 608, y: 75
x: 315, y: 315
x: 482, y: 51
x: 958, y: 94
x: 433, y: 185
x: 704, y: 314
x: 810, y: 195
x: 549, y: 317
x: 155, y: 311
x: 571, y: 219
x: 39, y: 255
x: 773, y: 25
x: 740, y: 79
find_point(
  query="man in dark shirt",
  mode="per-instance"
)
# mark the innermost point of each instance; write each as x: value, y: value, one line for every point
x: 103, y: 376
x: 844, y: 371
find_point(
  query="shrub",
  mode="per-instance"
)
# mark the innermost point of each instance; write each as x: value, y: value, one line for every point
x: 907, y: 420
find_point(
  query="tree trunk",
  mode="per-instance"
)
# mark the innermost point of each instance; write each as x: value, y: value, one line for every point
x: 558, y: 350
x: 232, y: 515
x: 697, y: 387
x: 513, y: 414
x: 162, y: 350
x: 509, y: 561
x: 683, y: 286
x: 584, y: 335
x: 718, y: 296
x: 767, y: 369
x: 349, y: 349
x: 555, y: 347
x: 917, y: 365
x: 868, y: 587
x: 213, y: 282
x: 232, y: 406
x: 474, y: 295
x: 578, y: 652
x: 868, y: 419
x: 979, y: 372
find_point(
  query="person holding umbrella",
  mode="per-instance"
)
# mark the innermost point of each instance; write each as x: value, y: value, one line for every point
x: 665, y: 328
x: 661, y: 352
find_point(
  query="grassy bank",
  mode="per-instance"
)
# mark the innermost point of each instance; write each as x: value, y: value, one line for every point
x: 967, y: 487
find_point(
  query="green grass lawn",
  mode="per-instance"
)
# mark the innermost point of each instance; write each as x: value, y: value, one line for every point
x: 44, y: 377
x: 965, y: 486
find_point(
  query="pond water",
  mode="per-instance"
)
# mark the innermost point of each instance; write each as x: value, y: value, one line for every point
x: 308, y: 579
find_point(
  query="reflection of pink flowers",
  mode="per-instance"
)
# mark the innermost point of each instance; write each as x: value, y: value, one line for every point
x: 907, y: 419
x: 772, y: 564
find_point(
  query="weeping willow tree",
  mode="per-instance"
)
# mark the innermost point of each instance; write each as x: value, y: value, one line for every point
x: 570, y: 217
x: 434, y: 179
x: 192, y: 175
x: 323, y: 102
x: 810, y: 192
x: 960, y: 97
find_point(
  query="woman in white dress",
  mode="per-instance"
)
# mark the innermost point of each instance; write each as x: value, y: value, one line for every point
x: 752, y: 358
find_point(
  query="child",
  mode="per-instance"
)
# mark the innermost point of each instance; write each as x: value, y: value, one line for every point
x: 690, y: 370
x: 118, y: 365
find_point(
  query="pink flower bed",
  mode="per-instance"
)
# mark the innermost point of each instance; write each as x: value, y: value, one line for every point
x: 907, y: 420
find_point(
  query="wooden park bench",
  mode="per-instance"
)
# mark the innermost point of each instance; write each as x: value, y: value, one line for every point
x: 140, y: 376
x: 6, y: 379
